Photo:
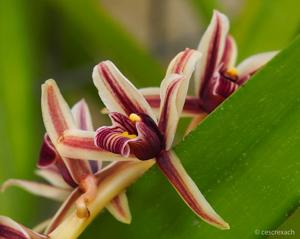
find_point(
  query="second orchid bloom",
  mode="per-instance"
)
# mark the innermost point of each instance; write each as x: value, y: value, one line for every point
x: 137, y: 132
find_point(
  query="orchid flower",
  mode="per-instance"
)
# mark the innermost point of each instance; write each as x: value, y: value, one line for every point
x: 84, y: 187
x: 136, y: 132
x: 61, y: 182
x: 216, y: 76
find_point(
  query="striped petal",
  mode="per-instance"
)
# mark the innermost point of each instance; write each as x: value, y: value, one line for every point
x: 250, y: 65
x: 187, y: 189
x: 80, y: 144
x: 10, y: 229
x: 83, y: 120
x: 230, y: 53
x: 53, y: 177
x: 152, y: 96
x: 212, y: 47
x: 57, y: 118
x: 117, y: 92
x: 171, y: 107
x: 119, y: 208
x: 112, y: 180
x: 39, y: 189
x: 192, y: 107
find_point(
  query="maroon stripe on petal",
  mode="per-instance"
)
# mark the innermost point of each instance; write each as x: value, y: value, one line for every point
x: 165, y: 111
x: 153, y: 101
x: 57, y: 115
x: 229, y: 54
x: 175, y: 177
x: 123, y: 122
x: 212, y: 56
x: 112, y: 140
x: 181, y: 63
x: 193, y: 105
x: 121, y: 96
x: 11, y: 233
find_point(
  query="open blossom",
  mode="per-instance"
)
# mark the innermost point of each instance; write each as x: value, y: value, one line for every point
x: 136, y: 132
x: 83, y: 186
x: 216, y: 76
x: 62, y: 181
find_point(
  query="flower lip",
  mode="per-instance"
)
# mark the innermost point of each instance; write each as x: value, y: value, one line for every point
x: 136, y: 135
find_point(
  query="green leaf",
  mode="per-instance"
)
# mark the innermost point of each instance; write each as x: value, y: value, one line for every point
x: 18, y: 117
x: 102, y: 38
x: 266, y: 25
x: 244, y: 157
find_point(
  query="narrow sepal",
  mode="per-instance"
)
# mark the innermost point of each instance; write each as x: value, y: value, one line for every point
x: 39, y: 189
x: 187, y: 189
x: 252, y: 64
x: 53, y: 177
x: 170, y: 108
x: 117, y: 92
x: 119, y: 208
x: 211, y: 46
x: 57, y: 118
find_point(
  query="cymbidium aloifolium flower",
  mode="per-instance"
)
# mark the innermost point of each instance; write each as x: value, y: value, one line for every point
x: 137, y: 132
x: 216, y: 76
x: 83, y: 186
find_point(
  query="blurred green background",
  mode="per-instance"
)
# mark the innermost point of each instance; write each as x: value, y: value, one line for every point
x: 64, y: 39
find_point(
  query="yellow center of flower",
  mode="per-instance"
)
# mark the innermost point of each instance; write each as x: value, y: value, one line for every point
x: 127, y: 135
x: 232, y: 73
x: 134, y: 117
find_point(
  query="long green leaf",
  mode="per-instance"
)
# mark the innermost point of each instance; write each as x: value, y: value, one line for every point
x: 266, y: 25
x: 244, y: 157
x: 102, y: 38
x: 17, y: 116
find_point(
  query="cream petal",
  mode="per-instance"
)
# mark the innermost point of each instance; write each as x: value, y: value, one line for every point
x: 211, y: 46
x: 171, y: 166
x: 53, y: 177
x: 250, y: 65
x: 152, y: 96
x: 119, y: 208
x: 117, y: 92
x: 171, y: 107
x: 39, y: 189
x: 230, y: 53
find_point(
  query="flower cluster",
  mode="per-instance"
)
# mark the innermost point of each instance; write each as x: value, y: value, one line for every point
x: 144, y: 124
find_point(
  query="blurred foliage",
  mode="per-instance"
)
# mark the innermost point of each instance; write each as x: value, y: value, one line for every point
x: 18, y: 104
x: 266, y: 25
x: 64, y: 39
x: 205, y: 8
